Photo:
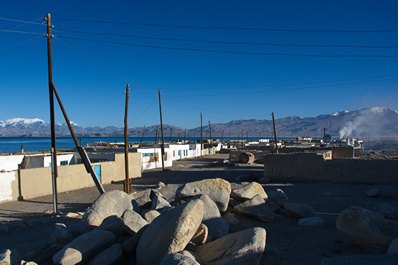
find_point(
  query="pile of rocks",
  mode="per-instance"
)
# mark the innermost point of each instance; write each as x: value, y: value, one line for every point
x: 375, y: 231
x: 175, y: 224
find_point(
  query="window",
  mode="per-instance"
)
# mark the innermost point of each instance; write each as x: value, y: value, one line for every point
x: 64, y: 162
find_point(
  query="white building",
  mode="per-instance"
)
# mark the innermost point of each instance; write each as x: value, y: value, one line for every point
x: 179, y: 151
x: 152, y: 157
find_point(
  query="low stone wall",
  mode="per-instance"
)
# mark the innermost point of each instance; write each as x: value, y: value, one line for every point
x: 312, y: 167
x: 37, y: 182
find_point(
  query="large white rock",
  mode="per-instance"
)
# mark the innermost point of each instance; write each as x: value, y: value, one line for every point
x: 108, y: 256
x: 248, y: 191
x: 180, y: 258
x: 217, y: 189
x: 243, y: 247
x: 113, y: 224
x: 216, y: 225
x: 367, y: 229
x: 151, y: 215
x: 298, y: 210
x: 84, y: 247
x: 169, y: 233
x: 133, y: 221
x: 256, y: 208
x: 113, y: 202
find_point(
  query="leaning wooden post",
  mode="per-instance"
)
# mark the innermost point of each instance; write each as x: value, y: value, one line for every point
x: 126, y: 183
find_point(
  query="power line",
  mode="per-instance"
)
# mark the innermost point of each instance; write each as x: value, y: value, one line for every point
x: 21, y: 32
x: 271, y: 89
x: 230, y: 42
x: 23, y: 21
x: 232, y: 52
x: 110, y: 70
x: 227, y: 27
x: 18, y: 43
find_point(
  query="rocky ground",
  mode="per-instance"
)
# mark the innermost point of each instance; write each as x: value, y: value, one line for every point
x: 299, y: 220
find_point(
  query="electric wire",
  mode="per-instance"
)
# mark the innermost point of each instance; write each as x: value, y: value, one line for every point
x: 23, y: 21
x: 230, y: 42
x: 272, y: 89
x: 231, y: 52
x: 227, y: 28
x: 21, y: 32
x: 18, y: 43
x: 108, y: 69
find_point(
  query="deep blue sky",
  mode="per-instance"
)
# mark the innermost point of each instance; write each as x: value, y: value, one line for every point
x: 91, y: 76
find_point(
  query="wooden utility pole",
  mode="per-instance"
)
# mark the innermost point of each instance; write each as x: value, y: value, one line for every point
x: 126, y: 184
x: 211, y: 141
x: 222, y: 137
x: 161, y: 128
x: 178, y: 135
x: 82, y: 152
x: 201, y: 135
x: 275, y: 139
x: 54, y: 170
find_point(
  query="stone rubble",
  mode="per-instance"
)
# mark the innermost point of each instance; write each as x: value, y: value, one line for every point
x: 368, y: 229
x: 195, y: 223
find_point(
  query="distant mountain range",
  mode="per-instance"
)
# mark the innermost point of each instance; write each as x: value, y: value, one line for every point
x: 369, y: 122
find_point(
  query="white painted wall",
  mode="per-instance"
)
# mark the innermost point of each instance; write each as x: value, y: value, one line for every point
x: 179, y: 151
x: 194, y: 150
x: 60, y: 158
x: 149, y: 161
x: 6, y: 180
x: 10, y: 162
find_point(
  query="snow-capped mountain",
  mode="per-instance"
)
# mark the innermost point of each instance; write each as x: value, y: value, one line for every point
x: 370, y: 122
x: 21, y: 122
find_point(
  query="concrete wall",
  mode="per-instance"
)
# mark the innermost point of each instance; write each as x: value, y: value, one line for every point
x: 179, y: 151
x: 312, y: 167
x: 152, y: 158
x: 60, y: 158
x: 37, y: 182
x: 10, y: 162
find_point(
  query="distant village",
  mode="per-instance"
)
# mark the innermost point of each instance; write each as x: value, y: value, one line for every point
x: 291, y: 159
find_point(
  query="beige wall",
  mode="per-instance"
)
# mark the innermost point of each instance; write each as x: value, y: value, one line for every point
x: 312, y: 167
x: 37, y: 181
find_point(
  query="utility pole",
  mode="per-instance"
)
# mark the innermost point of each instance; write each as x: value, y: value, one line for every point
x: 142, y: 136
x: 54, y: 170
x: 201, y: 135
x: 82, y: 152
x: 161, y: 128
x: 275, y: 139
x: 222, y: 137
x: 179, y: 135
x: 126, y: 184
x: 211, y: 141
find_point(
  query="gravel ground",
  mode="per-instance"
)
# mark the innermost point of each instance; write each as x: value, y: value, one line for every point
x: 287, y: 243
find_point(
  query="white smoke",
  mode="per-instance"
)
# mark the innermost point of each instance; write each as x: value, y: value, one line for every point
x: 352, y: 126
x: 368, y: 122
